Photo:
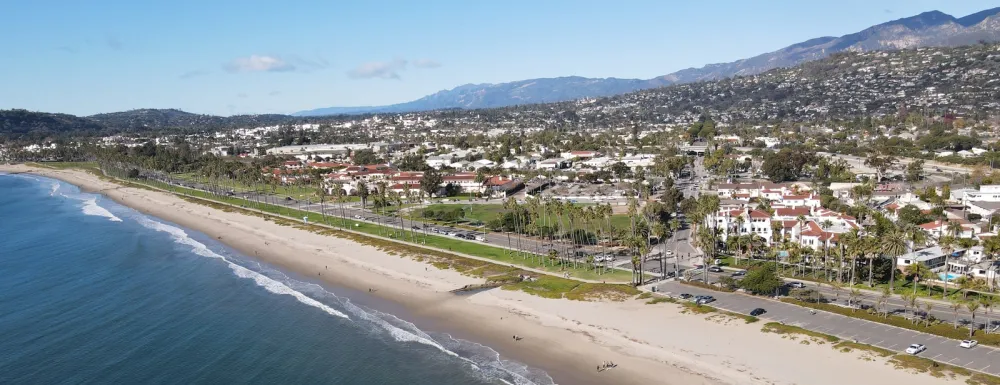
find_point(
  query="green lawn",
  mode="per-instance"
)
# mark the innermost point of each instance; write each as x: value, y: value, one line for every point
x: 497, y: 254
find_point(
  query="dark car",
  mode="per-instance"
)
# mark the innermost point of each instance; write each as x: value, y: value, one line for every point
x: 757, y: 311
x: 685, y: 296
x: 740, y: 273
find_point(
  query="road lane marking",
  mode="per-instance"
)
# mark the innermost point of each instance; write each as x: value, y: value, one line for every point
x: 984, y: 369
x: 969, y: 364
x: 935, y: 357
x: 952, y: 360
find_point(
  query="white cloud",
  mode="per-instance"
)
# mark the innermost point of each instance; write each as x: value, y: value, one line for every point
x: 426, y: 63
x: 258, y: 63
x: 379, y: 69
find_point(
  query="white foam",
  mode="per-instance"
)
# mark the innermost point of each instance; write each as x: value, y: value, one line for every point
x: 261, y: 280
x: 55, y: 186
x: 90, y: 207
x: 408, y: 332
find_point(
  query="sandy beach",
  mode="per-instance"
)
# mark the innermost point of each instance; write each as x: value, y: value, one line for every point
x: 652, y: 344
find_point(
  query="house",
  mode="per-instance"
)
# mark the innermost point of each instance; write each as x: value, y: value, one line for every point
x: 553, y: 164
x: 438, y: 161
x: 742, y: 222
x: 939, y: 228
x: 500, y: 187
x: 932, y: 257
x: 984, y: 209
x: 580, y: 155
x: 466, y: 182
x: 482, y: 163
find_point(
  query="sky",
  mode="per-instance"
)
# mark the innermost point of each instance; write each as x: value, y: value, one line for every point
x: 227, y: 57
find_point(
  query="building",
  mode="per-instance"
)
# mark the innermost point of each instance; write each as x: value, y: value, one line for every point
x: 932, y: 257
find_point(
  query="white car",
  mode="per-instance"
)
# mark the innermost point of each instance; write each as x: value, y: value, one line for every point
x: 915, y: 349
x: 968, y: 344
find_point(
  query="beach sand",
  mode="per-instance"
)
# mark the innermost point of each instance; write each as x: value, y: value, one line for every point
x: 652, y: 344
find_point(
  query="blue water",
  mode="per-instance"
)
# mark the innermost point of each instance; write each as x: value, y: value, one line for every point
x: 94, y: 292
x: 948, y: 276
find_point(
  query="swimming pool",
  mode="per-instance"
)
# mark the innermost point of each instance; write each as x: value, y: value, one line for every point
x: 948, y: 276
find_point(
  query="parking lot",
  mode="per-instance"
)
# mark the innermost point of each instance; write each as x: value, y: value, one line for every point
x: 980, y: 358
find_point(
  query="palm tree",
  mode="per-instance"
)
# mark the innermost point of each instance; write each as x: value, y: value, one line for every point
x: 853, y: 298
x: 946, y: 248
x: 987, y: 302
x: 928, y: 306
x: 893, y: 245
x: 972, y: 306
x: 917, y: 270
x: 363, y: 194
x: 955, y: 305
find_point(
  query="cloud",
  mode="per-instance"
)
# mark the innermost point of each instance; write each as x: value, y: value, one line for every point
x: 258, y: 63
x: 274, y: 93
x: 426, y: 63
x: 379, y: 69
x: 241, y: 95
x: 887, y: 10
x: 193, y: 74
x: 66, y: 49
x: 113, y: 42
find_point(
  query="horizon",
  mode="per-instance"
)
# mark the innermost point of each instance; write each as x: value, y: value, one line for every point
x: 232, y: 58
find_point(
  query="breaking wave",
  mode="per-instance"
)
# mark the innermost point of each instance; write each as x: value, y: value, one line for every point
x: 261, y: 280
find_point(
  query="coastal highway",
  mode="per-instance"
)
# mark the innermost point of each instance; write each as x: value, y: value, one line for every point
x: 980, y: 358
x: 895, y: 304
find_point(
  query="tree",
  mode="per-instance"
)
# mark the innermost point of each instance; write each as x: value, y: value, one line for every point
x: 761, y: 279
x: 915, y: 171
x: 363, y: 194
x: 431, y: 182
x: 972, y: 306
x: 881, y: 163
x: 894, y: 245
x: 915, y: 271
x: 366, y: 156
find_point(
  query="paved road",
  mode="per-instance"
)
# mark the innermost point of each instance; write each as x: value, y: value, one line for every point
x: 980, y: 358
x: 894, y: 305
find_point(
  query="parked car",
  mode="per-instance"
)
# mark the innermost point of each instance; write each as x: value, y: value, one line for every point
x: 481, y: 238
x: 705, y: 299
x: 915, y: 349
x: 757, y: 311
x: 356, y: 216
x: 969, y: 344
x: 715, y: 269
x: 685, y: 295
x: 740, y: 273
x: 797, y: 285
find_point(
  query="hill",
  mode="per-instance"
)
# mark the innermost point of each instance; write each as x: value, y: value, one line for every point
x: 20, y: 122
x: 157, y: 119
x: 471, y: 96
x: 924, y: 30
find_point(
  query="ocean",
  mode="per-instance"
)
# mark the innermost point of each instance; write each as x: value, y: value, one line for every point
x: 94, y: 292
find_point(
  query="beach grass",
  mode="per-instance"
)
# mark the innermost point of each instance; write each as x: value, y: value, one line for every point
x: 780, y: 328
x: 925, y: 365
x: 849, y: 346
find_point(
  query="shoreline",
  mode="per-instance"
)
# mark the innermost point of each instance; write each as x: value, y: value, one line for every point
x: 650, y: 343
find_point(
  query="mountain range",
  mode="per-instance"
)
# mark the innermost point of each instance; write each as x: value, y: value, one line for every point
x: 926, y: 29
